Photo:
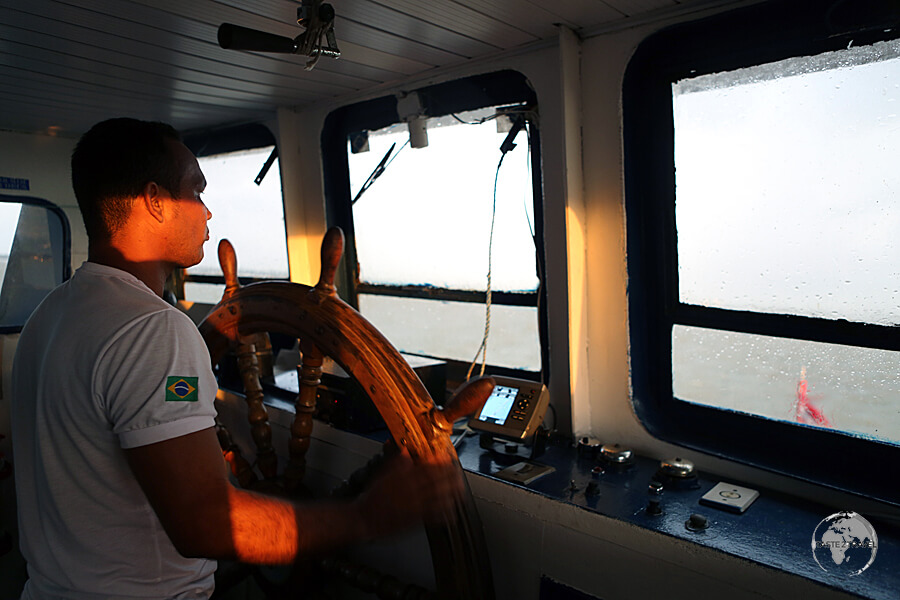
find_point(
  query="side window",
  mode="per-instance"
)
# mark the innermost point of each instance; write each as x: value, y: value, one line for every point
x: 763, y: 262
x: 444, y: 235
x: 244, y: 195
x: 35, y: 246
x: 805, y: 228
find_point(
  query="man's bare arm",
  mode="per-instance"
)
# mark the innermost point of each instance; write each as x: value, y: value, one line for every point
x: 186, y: 482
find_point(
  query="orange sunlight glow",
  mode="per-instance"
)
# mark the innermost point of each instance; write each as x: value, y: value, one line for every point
x: 276, y: 542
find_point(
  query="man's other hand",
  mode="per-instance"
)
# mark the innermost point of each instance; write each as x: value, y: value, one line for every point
x: 406, y: 493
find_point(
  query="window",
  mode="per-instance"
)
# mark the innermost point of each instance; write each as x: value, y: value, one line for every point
x: 428, y: 224
x: 249, y: 214
x: 35, y: 249
x: 764, y: 269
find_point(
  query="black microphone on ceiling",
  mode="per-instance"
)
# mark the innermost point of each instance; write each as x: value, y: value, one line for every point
x: 317, y: 40
x: 235, y: 37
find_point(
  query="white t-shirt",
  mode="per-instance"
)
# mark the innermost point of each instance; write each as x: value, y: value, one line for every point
x: 103, y: 364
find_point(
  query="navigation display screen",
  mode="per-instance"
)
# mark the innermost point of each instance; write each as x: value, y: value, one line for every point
x: 498, y: 405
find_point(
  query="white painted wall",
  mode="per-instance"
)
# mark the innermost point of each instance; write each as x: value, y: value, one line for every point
x: 44, y: 162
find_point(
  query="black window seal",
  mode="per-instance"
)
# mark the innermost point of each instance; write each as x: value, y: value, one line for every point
x: 434, y: 293
x: 754, y: 35
x: 220, y: 279
x: 222, y: 140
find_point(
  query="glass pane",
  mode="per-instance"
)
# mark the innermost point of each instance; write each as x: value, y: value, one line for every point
x: 250, y: 216
x: 849, y: 389
x: 427, y: 219
x: 31, y: 255
x: 454, y: 329
x: 204, y: 293
x: 787, y: 186
x: 9, y: 220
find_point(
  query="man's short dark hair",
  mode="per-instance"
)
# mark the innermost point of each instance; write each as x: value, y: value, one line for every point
x: 111, y: 165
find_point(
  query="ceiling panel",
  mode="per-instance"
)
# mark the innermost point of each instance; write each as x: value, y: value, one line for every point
x: 461, y: 19
x: 635, y: 7
x: 70, y: 63
x: 161, y: 81
x: 142, y: 62
x: 581, y: 14
x: 382, y: 18
x: 389, y: 42
x: 535, y: 18
x: 56, y: 93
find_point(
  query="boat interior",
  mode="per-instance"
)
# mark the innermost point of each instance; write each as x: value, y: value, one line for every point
x: 667, y: 228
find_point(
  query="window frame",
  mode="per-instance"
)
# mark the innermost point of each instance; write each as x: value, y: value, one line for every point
x: 472, y: 93
x: 755, y: 35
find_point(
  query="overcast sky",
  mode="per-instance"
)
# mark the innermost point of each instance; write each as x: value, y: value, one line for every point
x: 427, y: 219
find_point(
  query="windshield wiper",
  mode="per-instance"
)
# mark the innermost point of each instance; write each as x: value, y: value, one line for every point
x: 378, y: 170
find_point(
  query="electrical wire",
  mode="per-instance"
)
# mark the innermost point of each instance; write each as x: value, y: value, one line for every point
x: 482, y: 349
x: 318, y: 52
x: 507, y: 146
x: 404, y: 145
x: 539, y: 258
x: 478, y: 122
x: 525, y: 196
x: 510, y: 113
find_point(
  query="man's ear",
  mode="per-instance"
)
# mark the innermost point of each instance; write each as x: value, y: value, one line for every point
x: 152, y: 197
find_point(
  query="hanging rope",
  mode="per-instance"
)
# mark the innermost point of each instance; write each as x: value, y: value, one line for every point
x: 482, y: 349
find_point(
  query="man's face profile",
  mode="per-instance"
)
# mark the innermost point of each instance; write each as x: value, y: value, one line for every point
x: 188, y: 230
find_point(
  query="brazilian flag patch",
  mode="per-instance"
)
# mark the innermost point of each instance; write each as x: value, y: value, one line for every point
x: 181, y: 389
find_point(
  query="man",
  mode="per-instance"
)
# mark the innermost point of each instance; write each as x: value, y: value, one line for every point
x: 121, y: 485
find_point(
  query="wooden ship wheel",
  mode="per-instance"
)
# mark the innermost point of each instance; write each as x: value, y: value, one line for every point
x: 327, y: 326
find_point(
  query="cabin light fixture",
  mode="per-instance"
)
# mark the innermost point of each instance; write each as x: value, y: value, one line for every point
x: 318, y: 39
x: 418, y: 134
x: 409, y: 109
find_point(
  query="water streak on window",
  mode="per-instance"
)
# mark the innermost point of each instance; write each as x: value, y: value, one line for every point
x: 845, y: 388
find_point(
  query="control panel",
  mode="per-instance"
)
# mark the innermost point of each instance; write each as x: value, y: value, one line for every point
x: 678, y: 500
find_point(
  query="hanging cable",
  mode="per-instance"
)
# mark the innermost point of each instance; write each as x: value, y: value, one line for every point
x: 507, y: 145
x: 525, y: 197
x: 482, y: 349
x: 539, y: 265
x: 316, y: 52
